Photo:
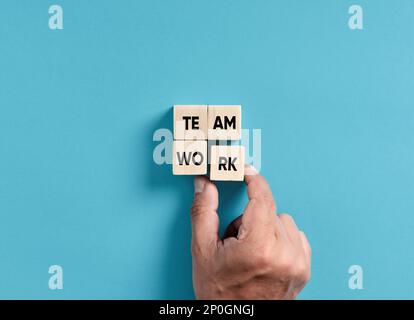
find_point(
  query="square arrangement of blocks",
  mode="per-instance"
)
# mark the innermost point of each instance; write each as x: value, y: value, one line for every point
x: 194, y: 125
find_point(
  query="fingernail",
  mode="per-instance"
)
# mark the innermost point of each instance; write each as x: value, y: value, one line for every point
x: 250, y: 171
x: 199, y: 184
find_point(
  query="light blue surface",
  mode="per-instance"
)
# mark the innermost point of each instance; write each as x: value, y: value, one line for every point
x: 78, y: 108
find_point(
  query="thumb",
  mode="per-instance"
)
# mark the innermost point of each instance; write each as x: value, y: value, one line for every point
x: 204, y: 218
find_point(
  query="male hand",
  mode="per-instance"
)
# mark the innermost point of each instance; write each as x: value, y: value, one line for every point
x: 262, y: 255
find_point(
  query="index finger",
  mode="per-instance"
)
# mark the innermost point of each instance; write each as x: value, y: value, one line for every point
x: 259, y: 216
x: 258, y: 188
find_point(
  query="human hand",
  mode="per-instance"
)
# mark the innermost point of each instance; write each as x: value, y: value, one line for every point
x: 261, y: 256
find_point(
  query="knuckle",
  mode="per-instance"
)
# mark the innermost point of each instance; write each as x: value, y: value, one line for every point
x: 286, y: 216
x: 286, y: 263
x: 197, y: 251
x: 307, y: 276
x: 302, y: 272
x: 196, y: 209
x: 271, y: 204
x: 264, y: 257
x: 298, y: 267
x: 309, y: 247
x: 268, y: 201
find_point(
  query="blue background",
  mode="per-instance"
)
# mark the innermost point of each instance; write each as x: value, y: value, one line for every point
x: 78, y: 108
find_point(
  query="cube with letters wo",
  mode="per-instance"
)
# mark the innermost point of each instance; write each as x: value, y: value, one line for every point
x: 189, y: 157
x: 190, y: 122
x: 227, y: 163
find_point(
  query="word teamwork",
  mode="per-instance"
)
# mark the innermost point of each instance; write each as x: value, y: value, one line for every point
x: 194, y: 126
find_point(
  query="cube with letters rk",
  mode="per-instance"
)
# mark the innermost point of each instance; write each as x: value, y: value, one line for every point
x: 227, y: 163
x: 189, y: 157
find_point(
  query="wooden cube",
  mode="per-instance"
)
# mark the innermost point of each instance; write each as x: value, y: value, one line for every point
x: 227, y: 163
x: 190, y: 122
x: 189, y: 157
x: 224, y: 122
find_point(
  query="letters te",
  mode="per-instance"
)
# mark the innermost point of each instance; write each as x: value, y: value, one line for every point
x: 194, y: 122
